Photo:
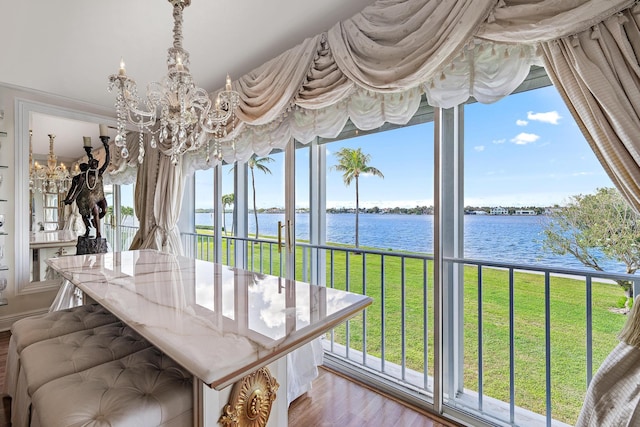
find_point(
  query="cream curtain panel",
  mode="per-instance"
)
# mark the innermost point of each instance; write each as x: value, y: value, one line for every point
x: 158, y: 195
x: 145, y: 191
x: 597, y: 72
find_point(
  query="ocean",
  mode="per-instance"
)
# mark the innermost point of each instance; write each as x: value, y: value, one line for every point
x: 516, y: 239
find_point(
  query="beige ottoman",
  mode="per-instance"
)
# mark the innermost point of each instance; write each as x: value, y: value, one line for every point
x: 146, y: 388
x: 47, y: 360
x: 27, y: 331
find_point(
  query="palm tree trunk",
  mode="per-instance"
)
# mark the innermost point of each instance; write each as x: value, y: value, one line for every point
x: 224, y: 221
x: 357, y: 213
x: 255, y: 212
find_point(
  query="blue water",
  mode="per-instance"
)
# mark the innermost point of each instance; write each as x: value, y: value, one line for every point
x: 516, y: 239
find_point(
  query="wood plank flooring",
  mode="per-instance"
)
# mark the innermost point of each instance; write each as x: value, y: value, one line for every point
x: 333, y: 400
x: 5, y: 407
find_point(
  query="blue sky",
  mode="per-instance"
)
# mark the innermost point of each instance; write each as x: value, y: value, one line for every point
x: 524, y: 150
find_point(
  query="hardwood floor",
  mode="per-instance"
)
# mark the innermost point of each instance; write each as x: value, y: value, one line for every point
x: 333, y: 400
x: 5, y: 407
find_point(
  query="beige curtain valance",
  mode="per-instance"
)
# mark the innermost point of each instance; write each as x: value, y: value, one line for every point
x: 374, y: 67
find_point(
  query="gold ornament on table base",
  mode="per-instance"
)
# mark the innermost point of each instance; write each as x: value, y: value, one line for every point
x: 251, y: 400
x: 187, y: 120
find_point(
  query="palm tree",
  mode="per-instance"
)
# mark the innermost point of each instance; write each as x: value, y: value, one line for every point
x: 353, y: 163
x: 256, y: 162
x: 227, y: 200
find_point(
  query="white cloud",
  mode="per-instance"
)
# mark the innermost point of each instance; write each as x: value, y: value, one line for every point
x: 582, y: 173
x: 524, y: 138
x: 520, y: 122
x: 551, y: 117
x: 499, y: 141
x: 479, y: 148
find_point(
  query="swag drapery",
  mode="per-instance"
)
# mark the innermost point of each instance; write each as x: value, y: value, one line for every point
x: 374, y: 68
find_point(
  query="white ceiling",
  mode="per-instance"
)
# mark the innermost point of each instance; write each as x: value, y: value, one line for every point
x: 70, y: 47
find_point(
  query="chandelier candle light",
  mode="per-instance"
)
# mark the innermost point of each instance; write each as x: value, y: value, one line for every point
x: 187, y: 120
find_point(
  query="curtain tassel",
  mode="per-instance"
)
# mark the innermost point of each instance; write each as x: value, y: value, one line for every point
x: 538, y: 50
x: 631, y: 331
x: 575, y: 41
x: 595, y: 33
x: 442, y: 76
x: 622, y: 19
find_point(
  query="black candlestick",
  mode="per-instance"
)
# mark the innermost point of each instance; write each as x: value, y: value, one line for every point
x: 88, y: 150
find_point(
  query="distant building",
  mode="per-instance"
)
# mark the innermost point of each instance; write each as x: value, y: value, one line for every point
x: 473, y: 212
x: 499, y: 211
x: 525, y: 212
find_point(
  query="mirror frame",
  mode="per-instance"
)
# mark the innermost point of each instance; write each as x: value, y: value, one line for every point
x: 23, y: 110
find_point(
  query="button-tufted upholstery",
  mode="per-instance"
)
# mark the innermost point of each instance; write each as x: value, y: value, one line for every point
x: 47, y: 360
x: 30, y: 330
x: 33, y: 329
x: 146, y: 388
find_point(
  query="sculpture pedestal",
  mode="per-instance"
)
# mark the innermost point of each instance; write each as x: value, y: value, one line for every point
x: 90, y: 245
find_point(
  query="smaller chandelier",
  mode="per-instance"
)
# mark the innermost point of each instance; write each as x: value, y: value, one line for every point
x: 187, y: 121
x: 52, y: 178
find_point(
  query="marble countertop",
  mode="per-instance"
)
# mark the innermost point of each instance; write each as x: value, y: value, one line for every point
x: 218, y: 322
x: 50, y: 239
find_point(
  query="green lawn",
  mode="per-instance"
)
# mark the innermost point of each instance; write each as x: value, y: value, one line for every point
x: 567, y: 318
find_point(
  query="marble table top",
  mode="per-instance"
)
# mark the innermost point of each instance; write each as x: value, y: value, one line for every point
x: 218, y: 322
x: 47, y: 239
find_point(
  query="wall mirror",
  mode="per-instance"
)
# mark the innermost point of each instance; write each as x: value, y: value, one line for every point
x: 44, y: 226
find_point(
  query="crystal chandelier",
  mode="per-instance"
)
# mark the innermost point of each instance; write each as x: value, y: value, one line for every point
x: 52, y: 178
x: 187, y: 120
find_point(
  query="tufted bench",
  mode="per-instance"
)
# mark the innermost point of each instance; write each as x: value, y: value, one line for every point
x: 30, y: 330
x: 146, y: 388
x: 54, y: 358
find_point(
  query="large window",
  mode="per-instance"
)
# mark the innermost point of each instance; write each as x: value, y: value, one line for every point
x: 469, y: 316
x: 395, y: 205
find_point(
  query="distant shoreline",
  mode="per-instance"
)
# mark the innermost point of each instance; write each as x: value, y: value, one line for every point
x: 418, y: 210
